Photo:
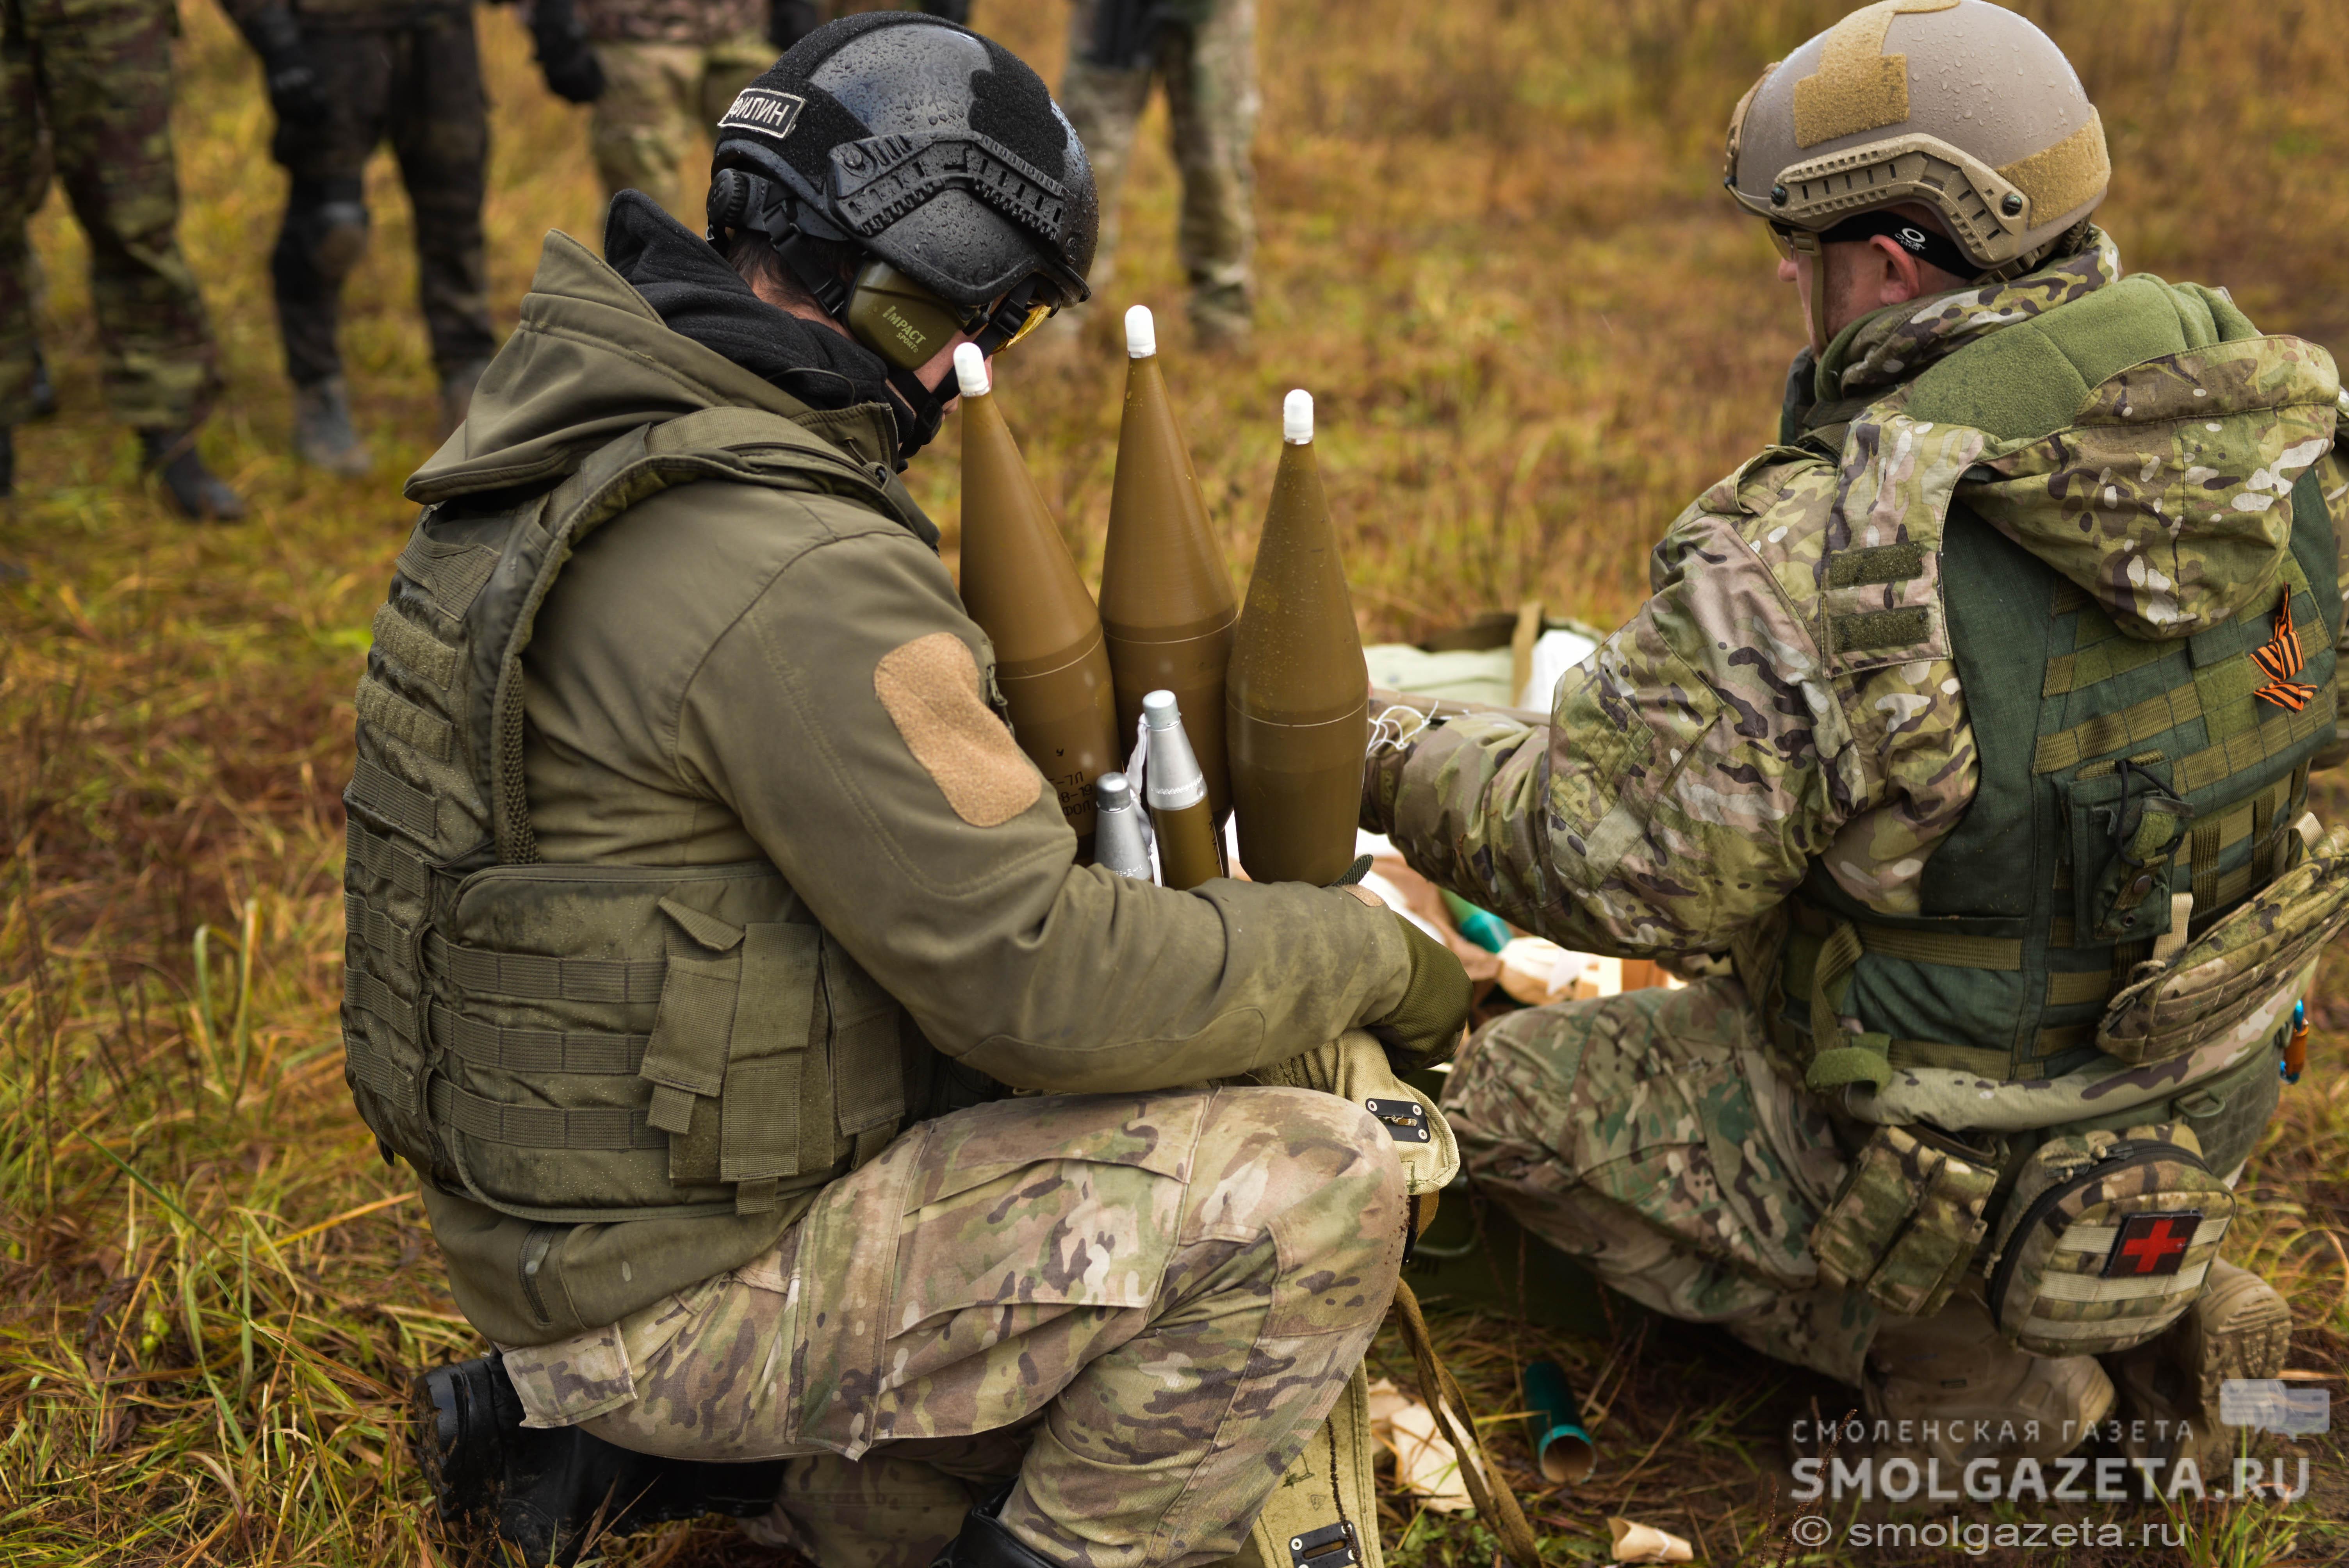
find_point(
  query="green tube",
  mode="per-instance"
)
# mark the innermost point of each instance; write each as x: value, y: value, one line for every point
x: 1562, y: 1450
x: 1481, y: 926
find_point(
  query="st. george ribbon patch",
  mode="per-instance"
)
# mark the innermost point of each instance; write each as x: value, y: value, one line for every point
x: 765, y: 110
x: 2151, y: 1244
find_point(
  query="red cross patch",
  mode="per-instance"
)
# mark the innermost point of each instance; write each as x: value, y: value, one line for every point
x: 2152, y: 1244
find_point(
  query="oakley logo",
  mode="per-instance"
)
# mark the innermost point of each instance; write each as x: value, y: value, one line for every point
x: 764, y: 111
x: 1912, y: 239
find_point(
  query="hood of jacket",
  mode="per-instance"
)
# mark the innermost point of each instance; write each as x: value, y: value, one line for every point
x: 593, y: 359
x: 2159, y: 483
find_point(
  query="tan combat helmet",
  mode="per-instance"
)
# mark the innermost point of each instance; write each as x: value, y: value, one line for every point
x: 1958, y: 104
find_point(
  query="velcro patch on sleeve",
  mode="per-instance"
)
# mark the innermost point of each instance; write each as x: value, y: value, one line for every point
x: 930, y: 688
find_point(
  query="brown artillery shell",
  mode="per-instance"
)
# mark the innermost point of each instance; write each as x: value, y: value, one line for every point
x: 1021, y: 586
x: 1298, y: 692
x: 1166, y: 602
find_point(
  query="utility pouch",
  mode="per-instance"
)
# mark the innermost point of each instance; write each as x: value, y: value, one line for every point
x: 2105, y: 1239
x: 2172, y: 1005
x: 729, y: 1049
x: 2126, y: 827
x: 1906, y: 1221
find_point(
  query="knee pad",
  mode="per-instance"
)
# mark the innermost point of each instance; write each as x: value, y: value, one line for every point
x: 327, y: 225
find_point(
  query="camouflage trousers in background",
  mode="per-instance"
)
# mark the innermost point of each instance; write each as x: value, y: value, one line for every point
x: 97, y: 74
x: 418, y: 86
x: 1144, y: 1306
x: 1653, y: 1137
x: 660, y: 100
x: 1209, y: 70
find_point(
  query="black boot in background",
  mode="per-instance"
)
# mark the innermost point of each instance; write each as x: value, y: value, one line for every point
x: 43, y: 392
x: 200, y: 494
x: 552, y: 1491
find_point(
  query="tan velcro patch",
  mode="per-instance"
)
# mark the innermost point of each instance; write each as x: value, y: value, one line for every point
x: 1857, y: 86
x: 930, y: 687
x: 2069, y: 174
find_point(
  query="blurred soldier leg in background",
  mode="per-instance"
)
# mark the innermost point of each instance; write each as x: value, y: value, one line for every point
x: 1165, y: 1293
x: 660, y: 98
x: 420, y: 84
x: 97, y: 75
x: 1205, y: 52
x: 791, y: 20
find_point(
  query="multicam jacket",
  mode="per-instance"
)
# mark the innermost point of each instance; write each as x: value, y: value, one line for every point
x: 701, y: 23
x: 1714, y: 753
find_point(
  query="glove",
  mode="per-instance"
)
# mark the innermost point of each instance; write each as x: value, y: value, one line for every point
x: 295, y: 93
x: 1425, y: 1026
x: 572, y: 71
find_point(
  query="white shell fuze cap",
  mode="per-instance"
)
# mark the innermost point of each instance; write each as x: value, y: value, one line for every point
x: 1297, y: 418
x: 1141, y: 332
x: 971, y: 371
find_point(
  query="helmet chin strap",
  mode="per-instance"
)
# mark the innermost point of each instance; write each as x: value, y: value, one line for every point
x: 920, y: 410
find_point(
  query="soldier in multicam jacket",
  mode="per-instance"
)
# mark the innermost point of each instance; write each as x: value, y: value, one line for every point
x: 1971, y: 701
x: 670, y: 68
x: 97, y: 75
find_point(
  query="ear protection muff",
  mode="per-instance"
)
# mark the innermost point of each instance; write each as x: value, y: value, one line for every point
x: 887, y: 311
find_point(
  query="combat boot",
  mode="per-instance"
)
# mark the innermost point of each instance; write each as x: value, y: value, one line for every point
x: 1222, y: 319
x: 199, y: 494
x: 456, y: 395
x: 1965, y: 1394
x: 554, y: 1491
x: 43, y: 390
x: 323, y: 437
x: 2238, y: 1327
x: 983, y: 1542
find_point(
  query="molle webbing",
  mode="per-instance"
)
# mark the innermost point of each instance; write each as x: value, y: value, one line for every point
x: 569, y: 1044
x: 532, y: 976
x: 2076, y: 745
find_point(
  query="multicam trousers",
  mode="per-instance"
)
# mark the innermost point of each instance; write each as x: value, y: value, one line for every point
x: 660, y: 101
x: 1653, y: 1137
x: 1142, y: 1305
x: 97, y: 74
x: 1209, y: 70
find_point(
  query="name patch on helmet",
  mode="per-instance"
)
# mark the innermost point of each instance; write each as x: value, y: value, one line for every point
x: 765, y: 110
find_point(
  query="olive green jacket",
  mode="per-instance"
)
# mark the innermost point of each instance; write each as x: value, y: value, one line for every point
x: 701, y: 689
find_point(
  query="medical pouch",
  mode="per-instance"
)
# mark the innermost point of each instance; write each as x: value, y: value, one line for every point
x: 2105, y: 1239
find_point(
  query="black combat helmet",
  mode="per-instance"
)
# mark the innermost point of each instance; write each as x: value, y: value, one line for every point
x: 894, y: 149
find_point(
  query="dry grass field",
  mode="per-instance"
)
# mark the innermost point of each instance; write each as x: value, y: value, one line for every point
x: 1494, y: 248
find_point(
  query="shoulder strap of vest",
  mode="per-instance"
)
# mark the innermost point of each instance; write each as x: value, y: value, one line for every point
x: 743, y: 446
